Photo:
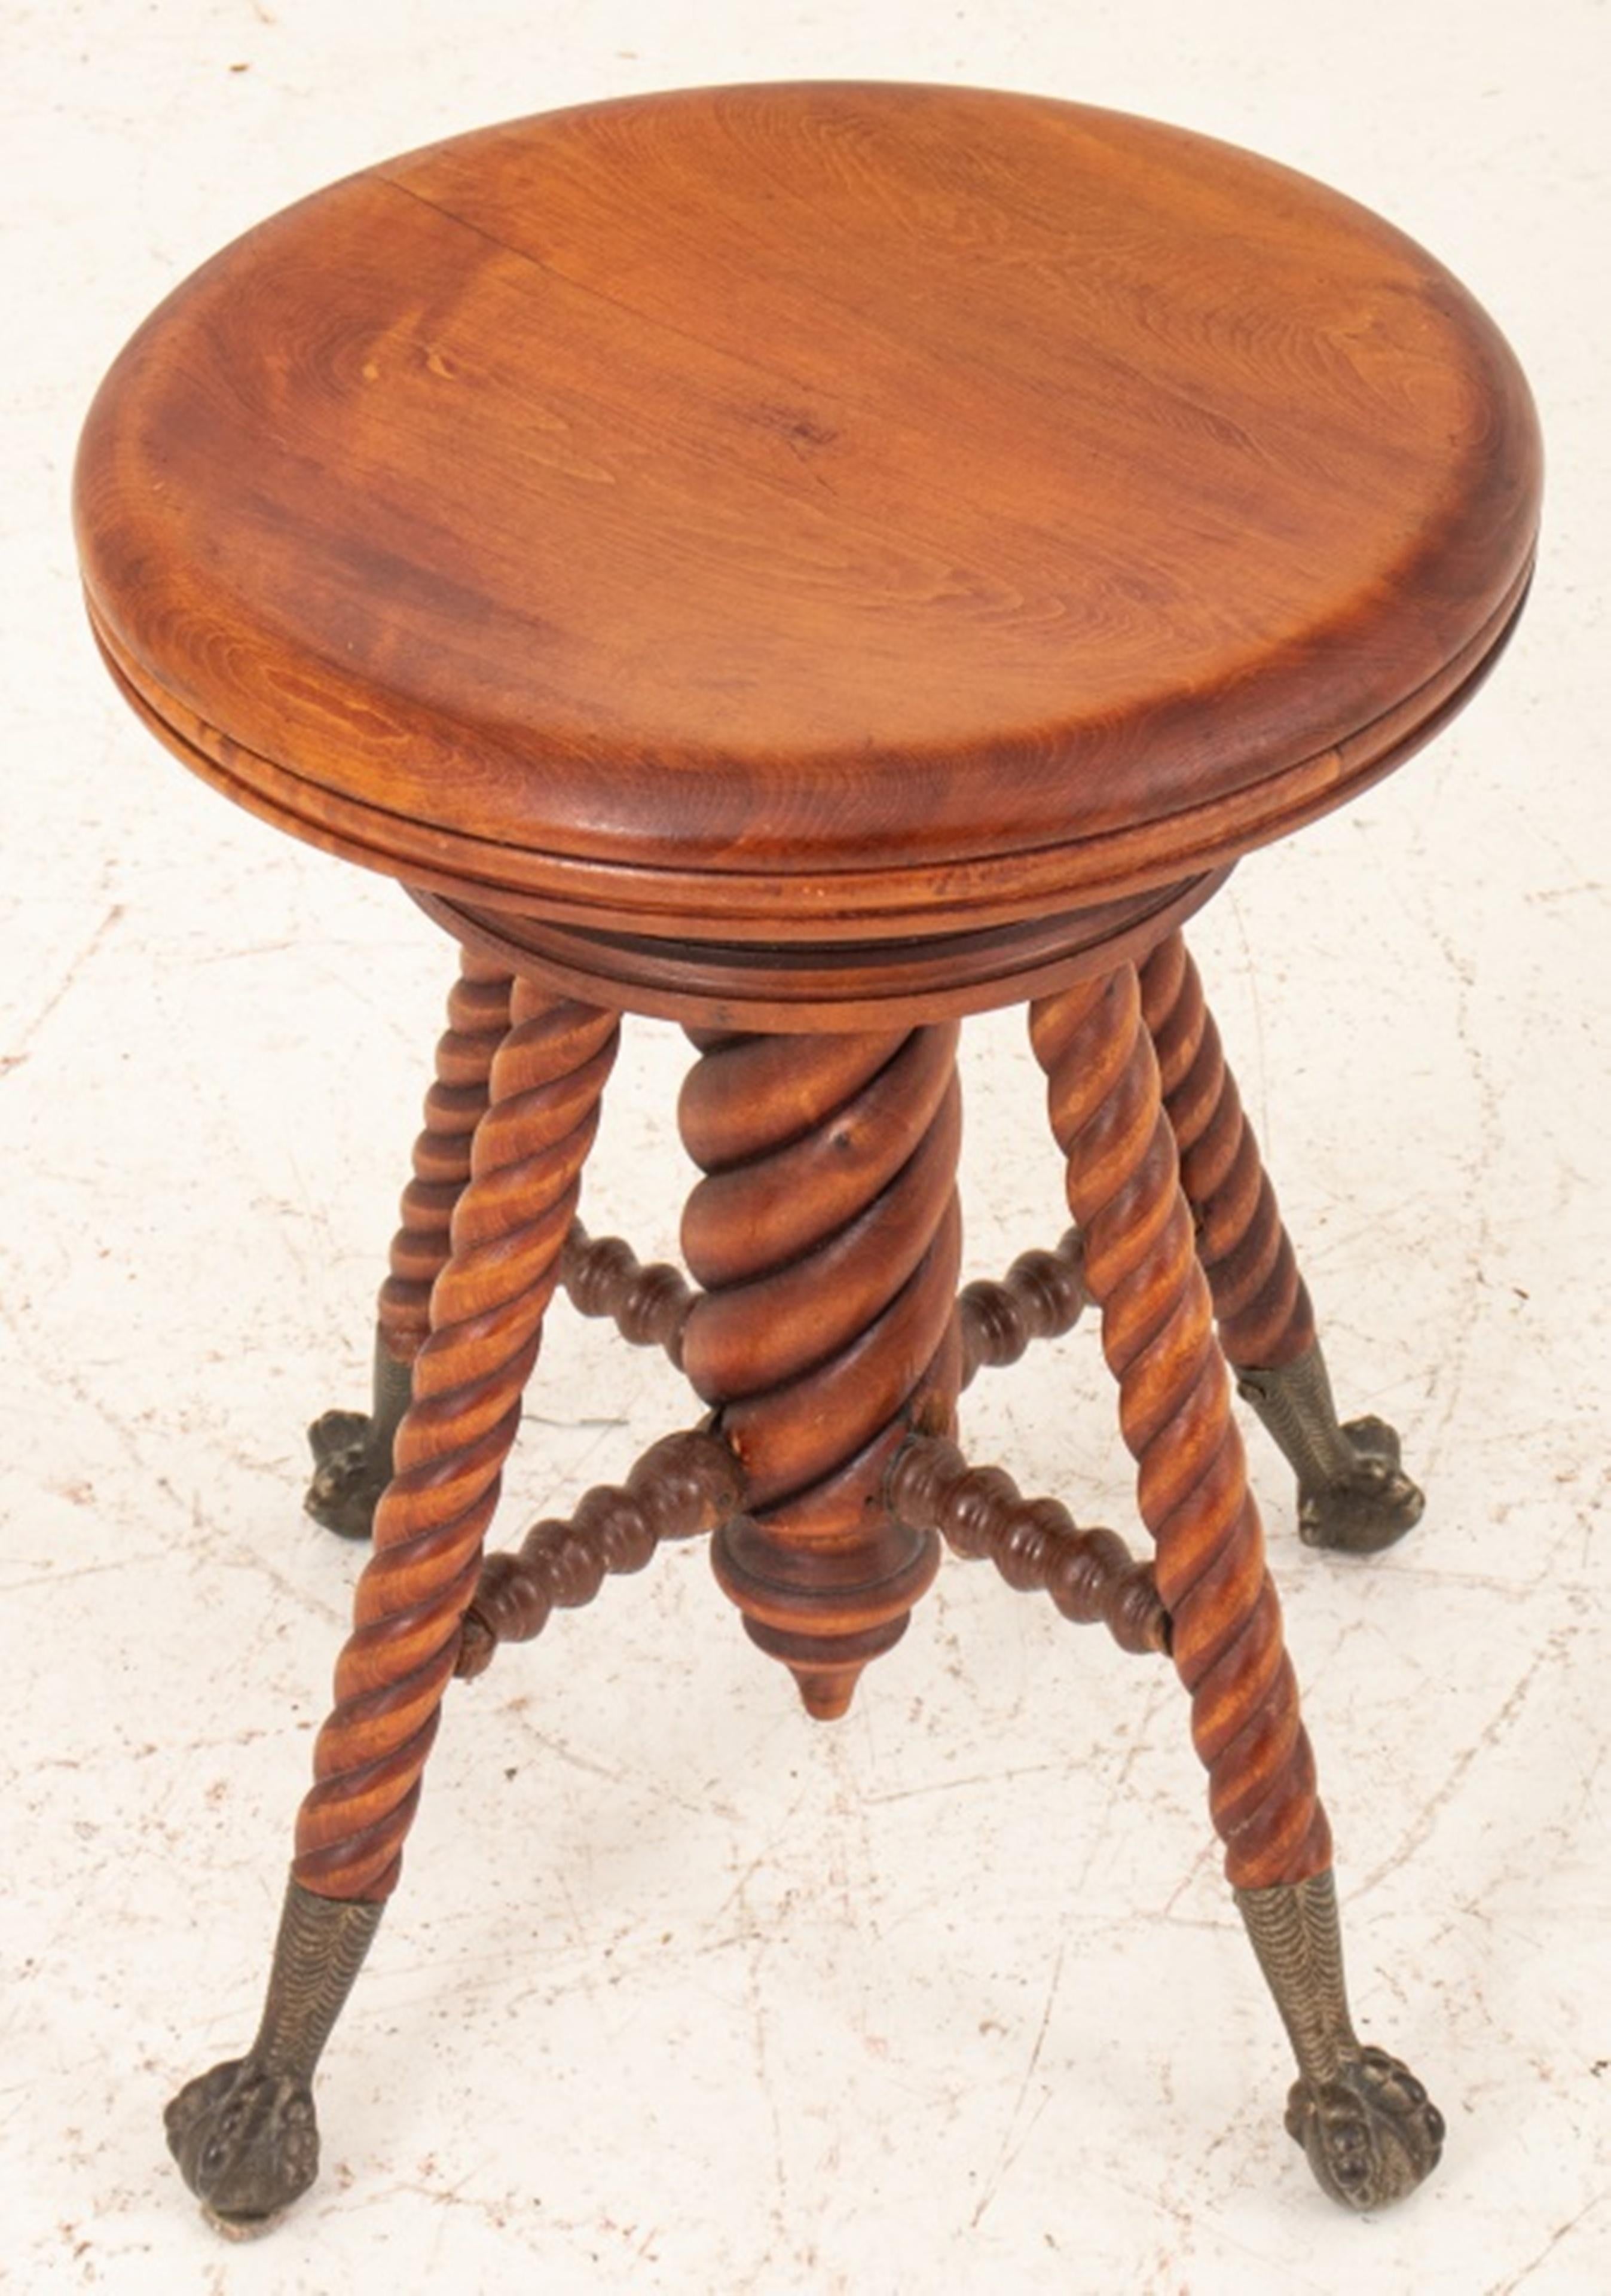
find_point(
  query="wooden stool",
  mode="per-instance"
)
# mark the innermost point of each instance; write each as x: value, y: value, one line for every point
x: 816, y: 561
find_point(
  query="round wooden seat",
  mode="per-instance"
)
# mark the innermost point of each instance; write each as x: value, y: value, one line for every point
x: 810, y: 514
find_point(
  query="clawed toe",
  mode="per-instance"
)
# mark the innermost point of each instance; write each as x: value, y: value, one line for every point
x: 1371, y: 2134
x: 1366, y: 1504
x: 1352, y: 1494
x: 247, y: 2142
x: 349, y: 1473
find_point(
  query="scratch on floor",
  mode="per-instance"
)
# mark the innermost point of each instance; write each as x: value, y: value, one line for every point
x: 86, y: 1570
x: 1488, y: 1738
x: 9, y: 1061
x: 788, y: 1825
x: 67, y: 1375
x: 992, y: 1780
x: 1010, y: 2150
x: 1490, y: 1134
x: 755, y: 1996
x: 1118, y: 1798
x: 612, y: 1774
x: 1505, y: 2287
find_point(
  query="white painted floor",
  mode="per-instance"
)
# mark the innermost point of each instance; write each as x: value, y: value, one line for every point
x: 683, y: 1993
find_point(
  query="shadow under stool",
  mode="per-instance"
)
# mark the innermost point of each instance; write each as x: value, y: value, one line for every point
x: 814, y: 562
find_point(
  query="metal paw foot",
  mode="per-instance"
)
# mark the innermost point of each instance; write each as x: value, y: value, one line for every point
x: 1371, y: 2134
x: 247, y: 2142
x: 1363, y: 2120
x: 350, y: 1472
x: 1366, y: 1504
x: 1352, y: 1495
x: 352, y: 1452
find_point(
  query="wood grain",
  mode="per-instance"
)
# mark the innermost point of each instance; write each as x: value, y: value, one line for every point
x: 826, y: 1233
x: 980, y: 1511
x: 1142, y: 1269
x: 682, y: 1485
x: 1041, y: 1296
x: 649, y: 1303
x: 477, y: 1021
x: 1261, y: 1302
x: 486, y: 1310
x: 765, y: 509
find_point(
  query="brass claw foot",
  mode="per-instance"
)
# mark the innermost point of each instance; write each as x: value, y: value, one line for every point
x: 244, y: 2133
x: 1369, y: 1502
x: 247, y: 2142
x: 1366, y: 2125
x: 1353, y: 1494
x: 1371, y: 2134
x: 348, y: 1475
x: 352, y: 1454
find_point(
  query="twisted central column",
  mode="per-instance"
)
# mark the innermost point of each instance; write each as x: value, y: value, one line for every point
x: 828, y: 1236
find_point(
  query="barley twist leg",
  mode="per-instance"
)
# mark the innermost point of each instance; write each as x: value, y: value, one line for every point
x: 1143, y: 1270
x: 1352, y: 1493
x: 244, y: 2133
x: 353, y: 1449
x: 827, y: 1236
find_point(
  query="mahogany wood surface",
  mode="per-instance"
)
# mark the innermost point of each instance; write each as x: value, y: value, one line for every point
x: 1141, y: 1268
x: 509, y: 1228
x: 683, y: 1485
x: 808, y: 513
x: 797, y: 985
x: 477, y: 1021
x: 826, y: 1234
x: 815, y: 561
x: 649, y: 1302
x: 1261, y: 1302
x: 1041, y: 1296
x: 1090, y: 1575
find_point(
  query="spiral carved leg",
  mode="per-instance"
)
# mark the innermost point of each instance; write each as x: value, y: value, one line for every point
x: 827, y: 1235
x: 1351, y: 1491
x: 245, y: 2135
x: 1369, y: 2132
x: 1142, y: 1269
x: 486, y: 1309
x: 353, y: 1449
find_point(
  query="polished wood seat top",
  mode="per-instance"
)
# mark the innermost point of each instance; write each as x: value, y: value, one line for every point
x: 802, y: 510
